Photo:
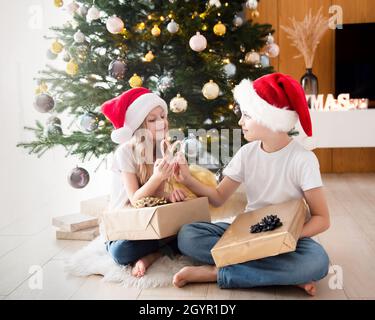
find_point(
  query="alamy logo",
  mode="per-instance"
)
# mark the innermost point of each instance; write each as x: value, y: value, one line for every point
x: 336, y: 282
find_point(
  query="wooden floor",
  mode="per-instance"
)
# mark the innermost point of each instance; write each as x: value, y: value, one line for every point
x: 350, y: 243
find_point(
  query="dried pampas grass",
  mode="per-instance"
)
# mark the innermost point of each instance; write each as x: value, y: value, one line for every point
x: 306, y: 35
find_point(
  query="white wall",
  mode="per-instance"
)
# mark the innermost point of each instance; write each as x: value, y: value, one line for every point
x: 31, y: 188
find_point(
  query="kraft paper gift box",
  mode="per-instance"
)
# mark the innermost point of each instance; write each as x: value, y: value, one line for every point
x: 153, y: 222
x: 238, y: 245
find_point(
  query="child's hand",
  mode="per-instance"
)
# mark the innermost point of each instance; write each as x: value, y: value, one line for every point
x: 181, y: 170
x: 163, y: 169
x: 177, y: 195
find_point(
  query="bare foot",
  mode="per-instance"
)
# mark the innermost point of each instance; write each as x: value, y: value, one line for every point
x: 310, y: 288
x: 140, y: 267
x: 195, y: 274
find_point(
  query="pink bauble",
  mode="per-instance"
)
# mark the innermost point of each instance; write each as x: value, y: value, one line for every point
x: 114, y: 25
x: 272, y: 50
x: 198, y: 42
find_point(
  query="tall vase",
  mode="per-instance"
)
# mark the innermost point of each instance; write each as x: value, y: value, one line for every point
x: 309, y: 83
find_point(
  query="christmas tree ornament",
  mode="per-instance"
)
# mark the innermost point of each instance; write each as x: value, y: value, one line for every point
x: 237, y: 21
x: 88, y: 122
x: 82, y: 10
x: 220, y: 29
x: 53, y: 120
x: 165, y: 82
x: 135, y: 81
x: 93, y: 14
x: 44, y: 103
x: 50, y: 55
x: 78, y: 178
x: 237, y: 110
x: 272, y: 50
x: 66, y: 56
x: 155, y: 31
x: 230, y: 69
x: 255, y: 14
x: 72, y: 7
x: 178, y: 104
x: 117, y: 69
x: 173, y: 27
x: 42, y: 88
x: 215, y: 3
x: 242, y: 48
x: 252, y: 4
x: 141, y: 26
x: 81, y: 53
x: 149, y: 56
x: 208, y: 122
x: 58, y: 3
x: 71, y: 68
x: 264, y: 60
x: 56, y: 47
x: 53, y: 130
x: 198, y: 42
x: 211, y: 90
x: 114, y: 25
x: 79, y: 37
x: 252, y: 57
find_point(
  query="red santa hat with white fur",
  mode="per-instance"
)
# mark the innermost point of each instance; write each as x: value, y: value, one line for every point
x: 275, y: 100
x: 128, y: 111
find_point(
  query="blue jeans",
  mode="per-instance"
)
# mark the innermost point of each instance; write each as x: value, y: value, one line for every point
x: 126, y: 252
x: 308, y: 263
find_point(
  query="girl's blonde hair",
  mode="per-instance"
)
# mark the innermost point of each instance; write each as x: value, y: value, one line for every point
x: 143, y: 152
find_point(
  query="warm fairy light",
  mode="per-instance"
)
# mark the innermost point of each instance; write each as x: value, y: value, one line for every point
x: 231, y: 106
x: 226, y: 61
x: 226, y: 4
x: 170, y: 16
x: 149, y: 17
x: 162, y: 18
x: 141, y: 26
x: 218, y: 14
x: 204, y: 27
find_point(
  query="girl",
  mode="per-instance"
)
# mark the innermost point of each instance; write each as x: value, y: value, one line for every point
x: 274, y: 169
x: 140, y: 120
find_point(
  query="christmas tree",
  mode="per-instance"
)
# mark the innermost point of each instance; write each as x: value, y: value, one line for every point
x: 192, y: 53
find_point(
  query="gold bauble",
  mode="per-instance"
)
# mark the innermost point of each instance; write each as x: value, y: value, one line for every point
x: 72, y: 68
x: 42, y: 88
x: 220, y: 29
x: 155, y: 31
x: 135, y: 81
x: 149, y: 56
x: 58, y: 3
x: 56, y: 47
x: 255, y: 14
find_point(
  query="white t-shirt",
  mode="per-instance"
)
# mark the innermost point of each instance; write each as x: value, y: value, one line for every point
x: 272, y: 178
x: 123, y: 161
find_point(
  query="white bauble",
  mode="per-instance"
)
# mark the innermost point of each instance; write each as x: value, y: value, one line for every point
x: 72, y: 7
x: 198, y: 42
x: 173, y: 27
x: 270, y: 39
x: 79, y: 37
x: 178, y: 104
x: 93, y: 14
x: 252, y: 4
x: 237, y: 21
x: 273, y: 50
x: 252, y: 57
x: 230, y: 69
x: 114, y: 25
x: 211, y: 90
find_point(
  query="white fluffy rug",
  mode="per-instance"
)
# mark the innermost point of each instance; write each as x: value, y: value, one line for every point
x: 95, y: 260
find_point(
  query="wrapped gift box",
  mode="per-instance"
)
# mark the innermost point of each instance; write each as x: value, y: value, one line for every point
x: 155, y: 222
x: 238, y: 245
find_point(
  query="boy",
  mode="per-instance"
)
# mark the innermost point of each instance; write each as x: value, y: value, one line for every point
x: 274, y: 169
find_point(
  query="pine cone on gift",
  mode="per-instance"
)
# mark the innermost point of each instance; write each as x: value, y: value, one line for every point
x: 268, y: 223
x: 150, y: 202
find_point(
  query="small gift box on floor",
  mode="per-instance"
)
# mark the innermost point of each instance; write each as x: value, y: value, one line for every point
x: 157, y: 222
x: 76, y: 227
x: 239, y: 245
